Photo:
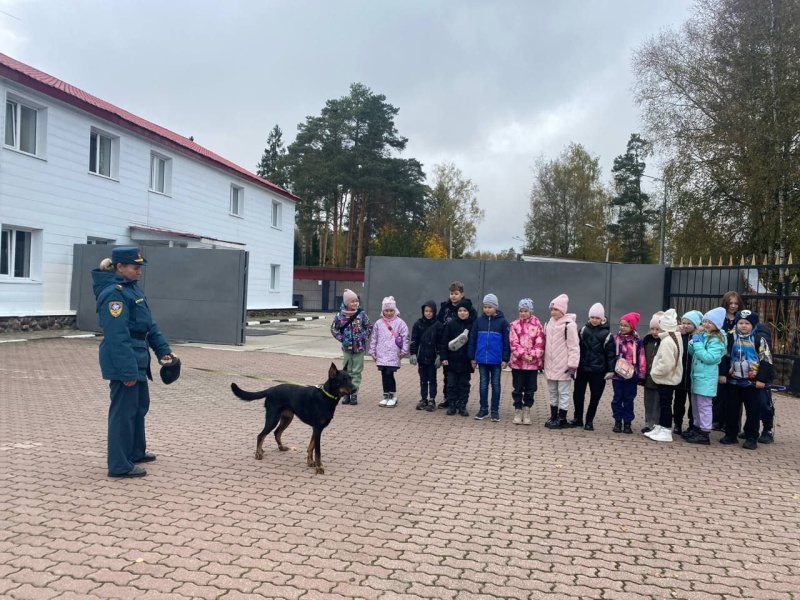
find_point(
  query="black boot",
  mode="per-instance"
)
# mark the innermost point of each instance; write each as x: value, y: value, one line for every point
x: 627, y: 428
x: 422, y: 404
x: 444, y: 404
x: 431, y: 405
x: 576, y: 422
x: 353, y: 399
x: 451, y: 409
x: 346, y: 399
x: 462, y: 409
x: 699, y: 437
x: 562, y: 419
x: 589, y: 426
x: 552, y: 423
x: 617, y: 426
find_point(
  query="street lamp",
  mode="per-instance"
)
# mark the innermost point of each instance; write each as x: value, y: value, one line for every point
x: 663, y: 218
x: 522, y: 249
x: 605, y: 236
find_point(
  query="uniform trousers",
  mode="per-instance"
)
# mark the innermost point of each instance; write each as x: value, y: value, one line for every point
x: 126, y: 438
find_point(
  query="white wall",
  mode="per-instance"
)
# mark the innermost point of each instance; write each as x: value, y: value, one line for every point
x: 57, y: 195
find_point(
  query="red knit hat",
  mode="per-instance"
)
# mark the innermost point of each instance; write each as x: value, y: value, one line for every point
x: 632, y: 318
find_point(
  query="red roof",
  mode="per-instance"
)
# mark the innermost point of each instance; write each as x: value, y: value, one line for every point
x: 55, y: 88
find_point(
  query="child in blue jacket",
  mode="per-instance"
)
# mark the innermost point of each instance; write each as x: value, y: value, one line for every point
x: 489, y: 350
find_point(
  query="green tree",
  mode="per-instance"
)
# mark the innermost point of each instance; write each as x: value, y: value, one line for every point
x: 568, y: 205
x: 268, y: 167
x: 452, y: 212
x: 636, y: 218
x: 721, y: 99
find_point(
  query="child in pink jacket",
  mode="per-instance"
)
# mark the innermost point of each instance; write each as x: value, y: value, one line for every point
x: 387, y: 345
x: 526, y: 338
x: 562, y: 354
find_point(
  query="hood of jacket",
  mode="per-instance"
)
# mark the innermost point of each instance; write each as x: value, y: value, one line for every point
x: 429, y: 304
x: 102, y: 279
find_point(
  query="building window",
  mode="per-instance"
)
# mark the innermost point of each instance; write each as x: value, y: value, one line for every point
x: 160, y: 173
x: 276, y: 214
x: 22, y: 126
x: 237, y: 200
x: 99, y: 241
x: 15, y: 253
x: 103, y: 149
x: 274, y: 278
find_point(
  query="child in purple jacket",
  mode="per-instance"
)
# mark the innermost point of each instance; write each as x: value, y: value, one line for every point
x: 388, y: 344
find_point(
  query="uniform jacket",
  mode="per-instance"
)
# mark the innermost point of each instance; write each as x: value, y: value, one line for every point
x: 352, y: 333
x: 706, y: 357
x: 526, y: 338
x: 562, y: 348
x: 121, y: 310
x: 382, y: 346
x: 624, y: 345
x: 597, y: 349
x: 457, y: 360
x: 668, y: 364
x: 447, y: 311
x: 488, y: 340
x: 425, y: 336
x: 650, y: 344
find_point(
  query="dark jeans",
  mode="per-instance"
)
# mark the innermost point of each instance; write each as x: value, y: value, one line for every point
x: 679, y: 408
x: 624, y: 395
x: 525, y: 385
x: 427, y: 380
x: 665, y: 393
x: 489, y: 374
x: 767, y: 411
x: 458, y: 388
x: 126, y: 439
x: 387, y: 379
x: 596, y: 383
x: 445, y: 387
x: 735, y: 397
x: 718, y: 411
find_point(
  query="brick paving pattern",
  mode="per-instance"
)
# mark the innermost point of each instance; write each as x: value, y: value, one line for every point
x: 412, y: 505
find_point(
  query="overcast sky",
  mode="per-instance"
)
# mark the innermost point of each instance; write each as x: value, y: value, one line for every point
x: 488, y: 86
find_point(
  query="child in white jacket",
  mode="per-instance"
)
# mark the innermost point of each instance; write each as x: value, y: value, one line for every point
x: 562, y: 354
x: 667, y: 373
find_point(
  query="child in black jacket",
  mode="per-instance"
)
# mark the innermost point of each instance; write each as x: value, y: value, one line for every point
x: 453, y: 353
x: 598, y: 355
x: 424, y: 346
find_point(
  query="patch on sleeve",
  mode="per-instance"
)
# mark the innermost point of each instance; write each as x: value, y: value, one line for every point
x: 115, y: 308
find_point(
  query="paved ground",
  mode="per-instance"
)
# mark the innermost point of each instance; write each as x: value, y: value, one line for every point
x: 412, y: 505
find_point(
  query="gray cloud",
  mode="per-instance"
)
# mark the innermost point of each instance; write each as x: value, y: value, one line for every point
x: 488, y: 86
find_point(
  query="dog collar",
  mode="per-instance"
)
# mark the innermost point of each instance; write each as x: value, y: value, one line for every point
x: 327, y: 393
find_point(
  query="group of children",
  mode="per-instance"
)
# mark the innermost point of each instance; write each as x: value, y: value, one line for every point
x: 721, y: 360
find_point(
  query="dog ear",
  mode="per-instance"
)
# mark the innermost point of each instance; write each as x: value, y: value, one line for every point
x: 332, y: 371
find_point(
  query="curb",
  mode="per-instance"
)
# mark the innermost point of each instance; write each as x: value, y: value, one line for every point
x: 286, y: 320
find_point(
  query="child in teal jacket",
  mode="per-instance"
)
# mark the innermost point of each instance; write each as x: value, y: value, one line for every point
x: 707, y: 347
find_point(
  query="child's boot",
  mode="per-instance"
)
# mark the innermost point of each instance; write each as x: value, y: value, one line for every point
x: 562, y: 419
x: 462, y: 408
x: 517, y: 416
x: 422, y: 404
x: 699, y: 437
x: 552, y: 423
x: 627, y: 428
x: 526, y: 415
x: 431, y: 405
x: 353, y: 399
x: 444, y: 403
x: 385, y: 399
x: 392, y: 402
x: 346, y: 399
x: 452, y: 408
x: 576, y: 422
x: 617, y: 426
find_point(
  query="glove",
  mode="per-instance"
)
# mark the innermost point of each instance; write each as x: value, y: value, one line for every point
x: 696, y: 338
x: 437, y: 363
x: 609, y: 376
x: 458, y: 342
x: 413, y: 359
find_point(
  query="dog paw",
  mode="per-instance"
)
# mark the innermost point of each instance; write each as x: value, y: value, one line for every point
x: 320, y: 470
x: 311, y: 463
x: 259, y: 454
x: 283, y: 448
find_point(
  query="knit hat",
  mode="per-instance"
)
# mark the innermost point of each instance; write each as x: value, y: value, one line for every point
x: 632, y: 319
x: 526, y: 304
x: 560, y: 303
x: 597, y: 310
x: 747, y: 315
x: 349, y: 295
x: 388, y: 302
x: 491, y: 300
x: 716, y: 316
x: 655, y: 319
x: 669, y: 321
x: 695, y: 316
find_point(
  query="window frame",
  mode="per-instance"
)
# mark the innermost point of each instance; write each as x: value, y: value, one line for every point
x: 39, y: 125
x: 113, y: 153
x: 157, y: 156
x: 276, y: 217
x: 9, y: 246
x: 274, y: 278
x: 239, y: 212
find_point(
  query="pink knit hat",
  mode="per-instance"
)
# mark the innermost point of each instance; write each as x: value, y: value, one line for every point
x: 655, y: 319
x: 632, y: 318
x: 560, y: 303
x: 349, y: 295
x: 597, y: 310
x: 388, y: 302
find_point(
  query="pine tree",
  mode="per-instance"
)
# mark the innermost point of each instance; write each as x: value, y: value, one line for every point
x: 268, y: 167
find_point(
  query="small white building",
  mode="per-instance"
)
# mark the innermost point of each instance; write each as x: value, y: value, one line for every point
x: 75, y: 169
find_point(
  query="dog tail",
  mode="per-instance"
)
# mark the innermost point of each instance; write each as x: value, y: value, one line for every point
x: 240, y: 393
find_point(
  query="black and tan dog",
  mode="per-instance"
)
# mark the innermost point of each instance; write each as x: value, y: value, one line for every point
x: 313, y: 405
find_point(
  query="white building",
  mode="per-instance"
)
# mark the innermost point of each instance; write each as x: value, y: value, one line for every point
x: 75, y: 170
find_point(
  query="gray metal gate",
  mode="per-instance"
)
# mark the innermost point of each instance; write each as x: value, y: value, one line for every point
x: 196, y: 295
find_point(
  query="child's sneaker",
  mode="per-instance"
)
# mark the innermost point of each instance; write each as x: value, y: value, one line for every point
x: 451, y: 410
x: 482, y: 414
x: 517, y: 416
x: 495, y: 417
x: 463, y: 411
x: 431, y: 405
x: 422, y: 404
x: 385, y: 400
x: 392, y: 401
